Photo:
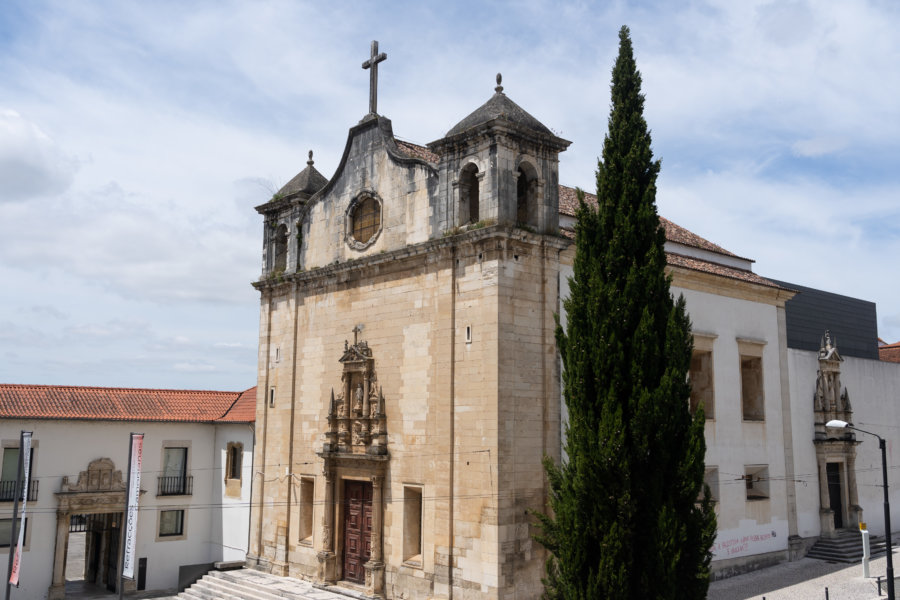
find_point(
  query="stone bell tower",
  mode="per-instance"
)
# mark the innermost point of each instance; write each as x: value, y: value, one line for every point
x: 500, y: 166
x: 835, y: 452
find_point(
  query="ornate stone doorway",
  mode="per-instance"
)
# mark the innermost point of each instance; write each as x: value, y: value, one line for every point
x: 355, y: 458
x: 99, y: 490
x: 357, y: 529
x: 835, y: 451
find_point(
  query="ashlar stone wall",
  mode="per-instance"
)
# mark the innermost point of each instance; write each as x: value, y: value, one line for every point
x: 461, y: 332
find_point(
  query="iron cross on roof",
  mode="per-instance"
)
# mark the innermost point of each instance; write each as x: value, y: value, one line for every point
x: 372, y: 64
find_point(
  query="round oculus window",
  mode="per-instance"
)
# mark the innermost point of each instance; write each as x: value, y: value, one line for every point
x: 365, y: 220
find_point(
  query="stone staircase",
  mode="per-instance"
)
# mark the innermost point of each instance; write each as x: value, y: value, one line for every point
x: 246, y: 584
x: 846, y: 547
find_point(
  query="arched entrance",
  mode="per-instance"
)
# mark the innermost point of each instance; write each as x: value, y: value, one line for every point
x: 99, y: 497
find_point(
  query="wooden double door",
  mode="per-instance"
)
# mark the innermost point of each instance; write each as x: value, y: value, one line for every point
x: 357, y: 529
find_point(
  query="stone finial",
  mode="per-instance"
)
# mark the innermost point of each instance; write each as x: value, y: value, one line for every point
x: 310, y: 161
x: 828, y: 347
x: 499, y: 88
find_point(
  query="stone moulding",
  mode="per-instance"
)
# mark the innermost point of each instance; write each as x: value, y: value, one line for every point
x: 330, y: 273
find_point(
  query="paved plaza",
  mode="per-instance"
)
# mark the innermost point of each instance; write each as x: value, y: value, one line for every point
x: 805, y: 579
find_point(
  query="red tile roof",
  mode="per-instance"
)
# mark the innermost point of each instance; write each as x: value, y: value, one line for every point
x: 125, y: 404
x: 417, y: 151
x: 568, y: 204
x: 244, y: 408
x: 889, y: 353
x: 705, y: 266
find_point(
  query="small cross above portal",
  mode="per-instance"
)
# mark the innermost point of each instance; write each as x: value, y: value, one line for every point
x: 372, y: 64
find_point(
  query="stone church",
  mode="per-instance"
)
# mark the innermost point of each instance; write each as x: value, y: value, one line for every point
x: 409, y: 381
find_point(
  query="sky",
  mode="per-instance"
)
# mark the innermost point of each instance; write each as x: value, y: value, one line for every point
x: 136, y: 138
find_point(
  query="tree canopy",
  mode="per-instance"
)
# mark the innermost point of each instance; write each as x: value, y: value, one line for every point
x: 630, y: 516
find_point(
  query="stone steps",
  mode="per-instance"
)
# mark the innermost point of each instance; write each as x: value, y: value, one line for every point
x: 246, y: 584
x: 846, y: 547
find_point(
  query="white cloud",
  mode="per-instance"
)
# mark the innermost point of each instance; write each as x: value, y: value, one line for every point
x: 146, y: 127
x: 820, y: 146
x: 31, y: 164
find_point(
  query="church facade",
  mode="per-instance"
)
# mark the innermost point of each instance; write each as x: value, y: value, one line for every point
x: 408, y: 370
x: 409, y: 381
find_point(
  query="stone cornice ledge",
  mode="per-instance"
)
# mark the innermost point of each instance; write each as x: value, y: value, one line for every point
x: 422, y: 249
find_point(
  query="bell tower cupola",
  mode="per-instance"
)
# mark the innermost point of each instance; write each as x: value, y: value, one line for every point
x: 500, y: 165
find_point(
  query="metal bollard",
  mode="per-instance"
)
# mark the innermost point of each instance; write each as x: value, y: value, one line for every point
x: 826, y: 593
x: 866, y: 549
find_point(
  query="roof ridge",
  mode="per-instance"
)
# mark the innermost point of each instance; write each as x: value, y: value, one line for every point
x: 110, y: 388
x: 736, y: 268
x: 237, y: 398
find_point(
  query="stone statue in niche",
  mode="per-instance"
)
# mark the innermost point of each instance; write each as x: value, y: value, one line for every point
x: 358, y: 435
x: 356, y: 414
x: 358, y: 399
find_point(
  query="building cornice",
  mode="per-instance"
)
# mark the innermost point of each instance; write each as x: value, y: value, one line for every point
x: 422, y: 251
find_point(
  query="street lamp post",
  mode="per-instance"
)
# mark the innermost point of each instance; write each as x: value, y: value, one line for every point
x: 838, y: 424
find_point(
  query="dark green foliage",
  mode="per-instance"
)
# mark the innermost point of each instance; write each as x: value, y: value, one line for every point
x: 626, y: 521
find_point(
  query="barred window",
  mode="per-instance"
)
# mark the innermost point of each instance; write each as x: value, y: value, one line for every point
x: 366, y: 220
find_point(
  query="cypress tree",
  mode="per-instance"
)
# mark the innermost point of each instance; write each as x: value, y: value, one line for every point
x: 625, y: 519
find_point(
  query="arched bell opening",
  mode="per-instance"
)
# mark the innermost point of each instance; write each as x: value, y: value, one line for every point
x: 279, y: 243
x: 469, y: 195
x: 526, y: 196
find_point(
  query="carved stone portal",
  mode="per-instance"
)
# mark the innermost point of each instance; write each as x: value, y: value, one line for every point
x: 100, y: 476
x: 355, y: 449
x: 835, y: 451
x: 356, y: 420
x: 99, y: 490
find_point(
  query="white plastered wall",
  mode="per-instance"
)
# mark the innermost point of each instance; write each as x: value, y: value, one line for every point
x: 874, y: 389
x: 65, y: 448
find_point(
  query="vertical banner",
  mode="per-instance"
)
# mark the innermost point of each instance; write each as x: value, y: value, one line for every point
x: 131, y: 504
x: 25, y: 461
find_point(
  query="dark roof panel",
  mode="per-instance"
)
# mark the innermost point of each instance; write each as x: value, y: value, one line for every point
x: 851, y: 321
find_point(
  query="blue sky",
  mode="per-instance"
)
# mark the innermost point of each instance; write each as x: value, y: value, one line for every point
x: 135, y: 139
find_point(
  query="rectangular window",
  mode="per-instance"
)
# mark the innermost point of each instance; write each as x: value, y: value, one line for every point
x: 10, y: 464
x: 752, y: 398
x: 171, y: 522
x: 702, y: 383
x: 9, y: 472
x: 271, y: 397
x: 5, y: 527
x: 756, y: 480
x: 711, y: 479
x: 233, y: 460
x: 174, y: 480
x: 307, y: 494
x: 174, y: 462
x: 412, y: 524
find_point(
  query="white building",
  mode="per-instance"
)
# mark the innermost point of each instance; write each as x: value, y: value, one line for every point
x: 195, y: 480
x: 769, y: 379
